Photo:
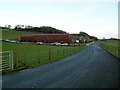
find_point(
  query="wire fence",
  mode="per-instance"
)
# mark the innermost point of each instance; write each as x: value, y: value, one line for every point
x: 35, y: 58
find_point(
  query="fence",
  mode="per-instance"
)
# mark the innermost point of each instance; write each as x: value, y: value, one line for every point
x: 26, y: 59
x: 6, y: 60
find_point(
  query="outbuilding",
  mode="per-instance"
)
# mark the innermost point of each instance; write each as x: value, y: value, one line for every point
x: 47, y: 38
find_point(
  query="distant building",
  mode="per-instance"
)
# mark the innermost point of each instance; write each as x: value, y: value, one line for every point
x: 75, y: 38
x: 47, y: 38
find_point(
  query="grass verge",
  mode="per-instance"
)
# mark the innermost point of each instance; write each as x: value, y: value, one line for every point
x: 112, y: 46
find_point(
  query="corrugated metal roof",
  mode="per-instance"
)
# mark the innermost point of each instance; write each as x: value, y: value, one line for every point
x: 75, y: 38
x: 45, y: 35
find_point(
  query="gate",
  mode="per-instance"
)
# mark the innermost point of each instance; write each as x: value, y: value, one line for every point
x: 6, y: 60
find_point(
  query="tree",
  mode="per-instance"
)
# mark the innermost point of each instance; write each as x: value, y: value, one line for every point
x: 28, y: 27
x: 104, y: 39
x: 19, y: 27
x: 8, y: 26
x: 83, y: 34
x: 43, y: 29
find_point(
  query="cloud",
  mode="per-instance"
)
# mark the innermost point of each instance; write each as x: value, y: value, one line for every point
x: 98, y: 19
x: 38, y: 1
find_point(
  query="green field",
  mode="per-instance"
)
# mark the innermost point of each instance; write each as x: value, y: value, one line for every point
x: 111, y: 46
x: 30, y: 55
x: 12, y: 34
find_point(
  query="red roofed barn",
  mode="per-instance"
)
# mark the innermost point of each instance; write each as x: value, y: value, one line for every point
x: 47, y: 38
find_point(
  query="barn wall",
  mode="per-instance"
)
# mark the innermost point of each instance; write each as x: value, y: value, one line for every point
x: 48, y: 38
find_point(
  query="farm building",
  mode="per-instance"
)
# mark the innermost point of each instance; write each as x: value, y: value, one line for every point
x: 47, y: 38
x: 75, y: 38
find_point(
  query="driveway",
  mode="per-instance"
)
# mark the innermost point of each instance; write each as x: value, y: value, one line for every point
x: 92, y: 67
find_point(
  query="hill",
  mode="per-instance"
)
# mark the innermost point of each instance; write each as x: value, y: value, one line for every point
x: 43, y: 29
x: 12, y: 34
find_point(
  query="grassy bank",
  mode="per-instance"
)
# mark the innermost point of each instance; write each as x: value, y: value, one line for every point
x: 111, y: 46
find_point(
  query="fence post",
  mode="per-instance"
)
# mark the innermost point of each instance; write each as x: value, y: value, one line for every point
x: 38, y: 57
x: 58, y: 52
x: 25, y: 59
x: 49, y: 54
x: 16, y: 61
x: 11, y: 56
x: 71, y: 50
x: 74, y: 49
x: 63, y: 51
x: 66, y: 51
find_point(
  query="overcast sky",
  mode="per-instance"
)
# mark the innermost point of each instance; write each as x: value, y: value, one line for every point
x: 95, y: 17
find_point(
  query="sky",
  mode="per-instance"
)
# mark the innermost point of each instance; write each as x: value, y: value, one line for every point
x: 96, y: 17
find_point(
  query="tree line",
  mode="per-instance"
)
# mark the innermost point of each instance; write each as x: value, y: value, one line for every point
x: 42, y: 29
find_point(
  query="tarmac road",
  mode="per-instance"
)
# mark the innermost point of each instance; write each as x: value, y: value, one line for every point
x: 92, y: 67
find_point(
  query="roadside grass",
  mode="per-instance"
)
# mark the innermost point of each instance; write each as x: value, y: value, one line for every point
x: 112, y: 46
x: 30, y: 55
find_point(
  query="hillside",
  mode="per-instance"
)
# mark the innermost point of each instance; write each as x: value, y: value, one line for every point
x: 43, y: 29
x: 12, y: 34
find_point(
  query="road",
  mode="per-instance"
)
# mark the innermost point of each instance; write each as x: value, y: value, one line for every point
x: 92, y: 67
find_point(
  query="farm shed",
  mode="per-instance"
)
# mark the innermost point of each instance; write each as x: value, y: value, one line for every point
x: 47, y: 38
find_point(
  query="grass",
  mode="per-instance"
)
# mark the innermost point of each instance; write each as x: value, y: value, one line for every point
x: 30, y: 55
x: 112, y: 46
x: 12, y: 34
